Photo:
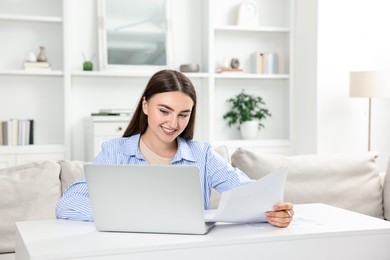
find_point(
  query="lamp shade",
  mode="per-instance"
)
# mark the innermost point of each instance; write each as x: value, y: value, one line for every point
x: 369, y: 84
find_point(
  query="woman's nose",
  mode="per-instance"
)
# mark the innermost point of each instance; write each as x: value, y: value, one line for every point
x: 173, y: 121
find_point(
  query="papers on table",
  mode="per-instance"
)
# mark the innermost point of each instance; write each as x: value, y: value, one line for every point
x: 249, y: 203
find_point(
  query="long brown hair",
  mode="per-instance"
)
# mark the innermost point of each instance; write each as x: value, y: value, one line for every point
x: 160, y: 82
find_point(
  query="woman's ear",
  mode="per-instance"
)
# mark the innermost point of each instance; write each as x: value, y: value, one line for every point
x: 144, y: 106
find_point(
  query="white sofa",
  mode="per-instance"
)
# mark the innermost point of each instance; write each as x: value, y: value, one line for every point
x: 30, y: 191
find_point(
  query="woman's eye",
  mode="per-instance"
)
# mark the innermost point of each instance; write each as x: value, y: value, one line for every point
x: 164, y: 111
x: 183, y: 116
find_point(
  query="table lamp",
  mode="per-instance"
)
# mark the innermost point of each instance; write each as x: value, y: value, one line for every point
x: 369, y: 84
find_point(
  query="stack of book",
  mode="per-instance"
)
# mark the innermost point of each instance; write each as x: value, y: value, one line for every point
x: 28, y: 65
x: 227, y: 70
x: 17, y: 132
x: 264, y: 63
x: 113, y: 112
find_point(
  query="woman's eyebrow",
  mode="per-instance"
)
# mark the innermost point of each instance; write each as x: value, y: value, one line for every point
x: 171, y: 109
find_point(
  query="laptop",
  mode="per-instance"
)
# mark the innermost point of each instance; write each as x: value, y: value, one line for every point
x: 147, y: 198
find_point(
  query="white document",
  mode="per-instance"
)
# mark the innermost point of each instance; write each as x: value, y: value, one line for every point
x: 249, y: 203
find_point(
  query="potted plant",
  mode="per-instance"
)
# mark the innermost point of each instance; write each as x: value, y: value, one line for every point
x: 247, y: 112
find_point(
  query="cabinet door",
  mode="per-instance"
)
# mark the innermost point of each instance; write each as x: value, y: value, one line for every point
x: 114, y: 129
x: 104, y: 131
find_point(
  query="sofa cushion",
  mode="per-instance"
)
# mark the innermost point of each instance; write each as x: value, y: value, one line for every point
x: 28, y: 192
x: 349, y: 181
x: 223, y: 151
x: 386, y: 193
x: 70, y: 172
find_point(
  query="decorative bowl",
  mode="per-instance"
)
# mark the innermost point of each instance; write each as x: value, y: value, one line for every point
x: 189, y: 68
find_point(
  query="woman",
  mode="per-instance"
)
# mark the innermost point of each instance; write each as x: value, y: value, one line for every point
x: 161, y: 132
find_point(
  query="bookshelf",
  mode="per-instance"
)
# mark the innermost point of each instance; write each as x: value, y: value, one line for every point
x: 62, y: 100
x: 272, y: 33
x: 37, y: 95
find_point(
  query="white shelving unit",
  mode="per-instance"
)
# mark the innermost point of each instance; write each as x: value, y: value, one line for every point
x: 273, y: 33
x: 61, y: 100
x: 37, y: 95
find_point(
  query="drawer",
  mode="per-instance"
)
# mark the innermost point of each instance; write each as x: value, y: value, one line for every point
x: 110, y: 128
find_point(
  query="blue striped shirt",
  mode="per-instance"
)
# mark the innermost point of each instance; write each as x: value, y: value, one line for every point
x: 215, y: 172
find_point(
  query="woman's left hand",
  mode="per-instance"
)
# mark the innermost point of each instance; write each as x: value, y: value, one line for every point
x: 281, y: 215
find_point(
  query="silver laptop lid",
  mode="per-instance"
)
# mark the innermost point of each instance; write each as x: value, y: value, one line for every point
x: 146, y: 198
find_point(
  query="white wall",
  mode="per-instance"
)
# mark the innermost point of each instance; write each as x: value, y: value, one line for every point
x: 352, y: 35
x: 304, y: 72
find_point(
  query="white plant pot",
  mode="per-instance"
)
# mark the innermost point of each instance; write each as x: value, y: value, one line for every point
x: 249, y: 129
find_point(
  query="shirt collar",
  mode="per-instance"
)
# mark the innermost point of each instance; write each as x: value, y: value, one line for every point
x: 184, y: 151
x: 131, y: 147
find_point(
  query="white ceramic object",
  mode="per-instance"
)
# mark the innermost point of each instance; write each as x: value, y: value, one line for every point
x: 249, y: 129
x: 31, y: 57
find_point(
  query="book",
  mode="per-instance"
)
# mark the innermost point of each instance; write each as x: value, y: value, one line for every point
x: 24, y: 132
x: 31, y: 132
x: 13, y: 131
x: 271, y: 63
x: 37, y: 66
x: 105, y: 114
x: 1, y: 133
x: 113, y: 112
x: 4, y: 126
x: 230, y: 70
x: 257, y: 62
x: 30, y: 64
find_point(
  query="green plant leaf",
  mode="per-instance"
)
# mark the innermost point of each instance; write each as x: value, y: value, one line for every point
x: 245, y: 107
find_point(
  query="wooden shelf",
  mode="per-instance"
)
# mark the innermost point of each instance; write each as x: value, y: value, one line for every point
x: 236, y: 28
x: 7, y: 149
x: 32, y: 72
x: 251, y: 143
x: 239, y: 75
x: 128, y: 74
x: 30, y: 18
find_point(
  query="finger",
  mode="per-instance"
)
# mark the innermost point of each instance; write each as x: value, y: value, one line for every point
x: 279, y: 222
x: 280, y: 214
x: 283, y: 206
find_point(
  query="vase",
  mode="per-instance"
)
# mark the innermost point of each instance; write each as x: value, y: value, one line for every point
x: 42, y: 55
x: 87, y: 66
x: 249, y: 130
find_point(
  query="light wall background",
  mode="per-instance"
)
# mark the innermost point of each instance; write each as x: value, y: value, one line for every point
x: 351, y: 35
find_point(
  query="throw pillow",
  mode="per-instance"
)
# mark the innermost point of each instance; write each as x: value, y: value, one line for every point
x: 223, y: 151
x: 70, y: 172
x: 29, y: 192
x: 349, y: 181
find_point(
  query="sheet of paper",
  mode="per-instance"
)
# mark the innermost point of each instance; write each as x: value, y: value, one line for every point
x: 249, y: 203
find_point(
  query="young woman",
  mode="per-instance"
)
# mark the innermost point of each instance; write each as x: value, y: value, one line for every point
x: 161, y: 132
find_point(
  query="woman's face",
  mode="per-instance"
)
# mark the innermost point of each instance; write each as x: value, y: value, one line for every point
x: 168, y: 115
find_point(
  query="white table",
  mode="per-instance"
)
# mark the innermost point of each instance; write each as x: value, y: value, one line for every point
x: 318, y: 232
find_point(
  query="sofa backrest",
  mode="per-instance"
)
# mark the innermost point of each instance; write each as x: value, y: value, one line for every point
x: 349, y: 181
x: 28, y: 192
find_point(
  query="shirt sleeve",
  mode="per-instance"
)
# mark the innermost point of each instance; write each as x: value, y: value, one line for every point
x: 221, y: 175
x: 104, y: 155
x: 75, y: 203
